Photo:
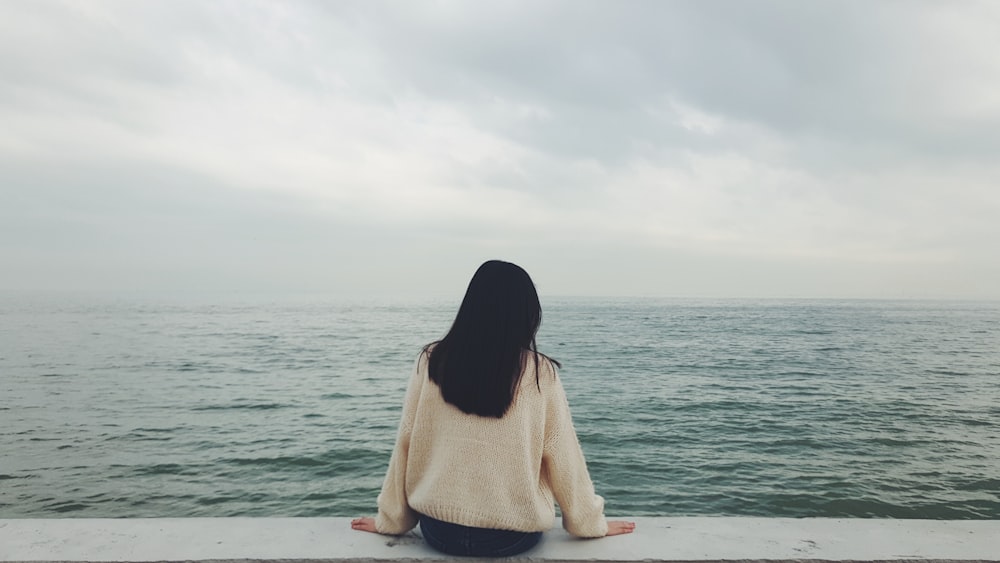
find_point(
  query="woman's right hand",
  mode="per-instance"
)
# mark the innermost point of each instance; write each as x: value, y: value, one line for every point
x: 365, y: 524
x: 617, y: 527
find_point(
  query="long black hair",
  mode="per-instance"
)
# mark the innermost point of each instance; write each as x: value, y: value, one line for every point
x: 479, y: 363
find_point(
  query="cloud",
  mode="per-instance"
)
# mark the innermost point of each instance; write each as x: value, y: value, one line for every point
x: 860, y: 136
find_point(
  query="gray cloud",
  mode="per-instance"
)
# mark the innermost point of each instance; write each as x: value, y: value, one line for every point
x: 847, y: 148
x: 851, y: 72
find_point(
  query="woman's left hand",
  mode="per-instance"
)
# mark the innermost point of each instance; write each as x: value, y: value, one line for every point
x: 365, y: 524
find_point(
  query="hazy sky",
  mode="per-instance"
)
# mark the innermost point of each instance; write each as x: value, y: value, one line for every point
x: 742, y: 148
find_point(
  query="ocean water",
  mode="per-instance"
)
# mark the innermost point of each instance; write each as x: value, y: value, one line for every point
x: 138, y: 407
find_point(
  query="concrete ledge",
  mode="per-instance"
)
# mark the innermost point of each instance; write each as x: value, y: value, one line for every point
x: 655, y: 539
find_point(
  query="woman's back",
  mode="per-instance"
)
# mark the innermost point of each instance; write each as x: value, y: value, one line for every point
x: 490, y: 472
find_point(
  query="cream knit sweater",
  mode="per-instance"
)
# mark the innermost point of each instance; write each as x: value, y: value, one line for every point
x: 488, y: 472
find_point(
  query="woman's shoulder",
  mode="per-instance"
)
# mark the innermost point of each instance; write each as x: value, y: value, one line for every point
x: 544, y: 366
x: 428, y: 349
x: 549, y: 361
x: 424, y: 356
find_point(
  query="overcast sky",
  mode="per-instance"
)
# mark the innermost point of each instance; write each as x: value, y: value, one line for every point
x: 713, y: 149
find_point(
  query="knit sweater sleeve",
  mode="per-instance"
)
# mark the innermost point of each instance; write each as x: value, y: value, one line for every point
x: 562, y: 458
x: 395, y: 517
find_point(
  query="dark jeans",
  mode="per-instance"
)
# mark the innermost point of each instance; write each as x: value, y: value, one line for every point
x: 455, y: 539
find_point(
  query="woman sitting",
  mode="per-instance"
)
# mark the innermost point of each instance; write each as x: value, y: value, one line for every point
x: 486, y: 441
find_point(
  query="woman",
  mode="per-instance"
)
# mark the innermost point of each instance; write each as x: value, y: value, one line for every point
x: 486, y: 441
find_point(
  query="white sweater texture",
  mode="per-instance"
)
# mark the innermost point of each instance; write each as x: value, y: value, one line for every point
x: 486, y: 472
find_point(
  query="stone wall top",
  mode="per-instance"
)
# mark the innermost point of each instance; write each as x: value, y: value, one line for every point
x: 655, y: 539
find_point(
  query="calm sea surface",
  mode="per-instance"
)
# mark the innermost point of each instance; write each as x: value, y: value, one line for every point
x: 200, y: 407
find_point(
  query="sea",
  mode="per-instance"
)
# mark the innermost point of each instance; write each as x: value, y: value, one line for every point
x: 178, y: 406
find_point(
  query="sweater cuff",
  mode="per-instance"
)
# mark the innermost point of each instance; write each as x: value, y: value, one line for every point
x: 598, y: 530
x: 395, y: 524
x: 386, y: 527
x: 590, y: 524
